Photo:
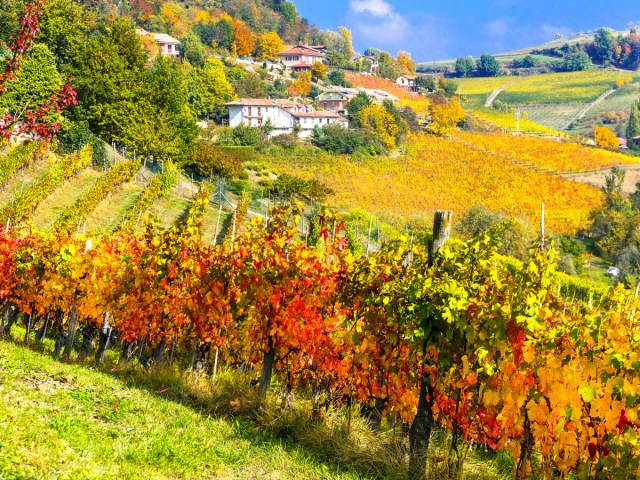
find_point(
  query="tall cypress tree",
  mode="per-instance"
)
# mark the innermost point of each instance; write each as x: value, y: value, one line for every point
x: 633, y: 128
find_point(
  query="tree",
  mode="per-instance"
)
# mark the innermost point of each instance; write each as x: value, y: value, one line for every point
x: 39, y: 81
x: 605, y: 45
x: 302, y: 86
x: 346, y: 46
x: 446, y: 117
x: 633, y: 127
x: 576, y: 62
x: 192, y: 49
x: 34, y: 113
x: 243, y: 41
x: 337, y: 78
x: 319, y: 70
x: 288, y: 12
x: 211, y: 89
x: 405, y: 63
x: 464, y: 66
x: 250, y: 85
x: 605, y: 138
x: 268, y: 45
x: 378, y: 121
x: 488, y: 66
x: 355, y: 106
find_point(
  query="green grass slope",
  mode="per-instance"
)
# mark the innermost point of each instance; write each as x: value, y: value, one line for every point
x: 66, y: 421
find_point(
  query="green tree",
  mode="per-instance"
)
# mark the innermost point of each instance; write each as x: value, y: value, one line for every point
x: 288, y: 12
x: 605, y: 44
x: 37, y: 80
x: 192, y: 49
x: 64, y: 25
x: 355, y: 106
x: 464, y: 66
x: 109, y: 74
x: 488, y: 66
x: 211, y: 90
x: 576, y: 62
x: 633, y: 127
x: 337, y: 78
x: 167, y: 86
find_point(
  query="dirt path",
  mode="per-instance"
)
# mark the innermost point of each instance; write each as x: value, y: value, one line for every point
x: 597, y: 179
x: 495, y: 93
x: 586, y: 109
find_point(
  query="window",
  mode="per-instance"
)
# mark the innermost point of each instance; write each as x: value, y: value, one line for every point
x: 259, y: 111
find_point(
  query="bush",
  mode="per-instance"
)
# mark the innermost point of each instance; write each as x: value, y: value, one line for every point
x: 73, y: 136
x: 338, y: 79
x: 341, y: 141
x: 213, y: 160
x: 244, y: 136
x: 287, y: 186
x: 288, y: 141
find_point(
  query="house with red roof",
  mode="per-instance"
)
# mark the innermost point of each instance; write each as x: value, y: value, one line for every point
x: 302, y: 56
x: 283, y: 115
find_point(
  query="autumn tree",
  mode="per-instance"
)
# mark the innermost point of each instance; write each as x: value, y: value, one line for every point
x: 446, y: 117
x: 605, y: 138
x: 268, y: 45
x: 302, y: 86
x: 346, y: 44
x: 319, y: 70
x: 377, y: 120
x: 243, y: 41
x: 405, y: 63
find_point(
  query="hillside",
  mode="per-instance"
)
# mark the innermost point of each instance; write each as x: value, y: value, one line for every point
x: 72, y: 421
x: 508, y: 57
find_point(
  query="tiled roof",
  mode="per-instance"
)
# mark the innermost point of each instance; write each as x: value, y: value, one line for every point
x: 319, y: 114
x: 312, y: 51
x: 252, y: 102
x: 164, y: 38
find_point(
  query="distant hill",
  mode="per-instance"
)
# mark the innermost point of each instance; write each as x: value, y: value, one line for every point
x: 507, y: 57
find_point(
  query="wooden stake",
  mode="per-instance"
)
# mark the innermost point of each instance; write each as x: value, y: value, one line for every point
x: 542, y: 225
x: 6, y: 229
x: 369, y: 236
x: 233, y: 230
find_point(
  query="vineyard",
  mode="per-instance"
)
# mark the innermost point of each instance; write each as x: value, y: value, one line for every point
x: 506, y: 121
x: 574, y: 87
x: 554, y: 156
x: 449, y: 336
x: 437, y: 173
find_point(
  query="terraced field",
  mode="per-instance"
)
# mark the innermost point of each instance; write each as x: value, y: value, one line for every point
x: 562, y: 88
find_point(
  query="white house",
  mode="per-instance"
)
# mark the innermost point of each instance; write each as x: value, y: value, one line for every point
x: 283, y: 115
x: 302, y: 56
x: 167, y: 45
x: 407, y: 81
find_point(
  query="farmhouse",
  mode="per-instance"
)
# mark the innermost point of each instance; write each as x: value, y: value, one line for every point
x: 167, y: 45
x: 302, y: 56
x: 334, y: 100
x: 282, y: 115
x: 407, y: 81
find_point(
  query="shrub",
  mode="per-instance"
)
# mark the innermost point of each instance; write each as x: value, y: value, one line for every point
x: 213, y: 160
x: 605, y: 138
x: 73, y: 136
x: 341, y: 141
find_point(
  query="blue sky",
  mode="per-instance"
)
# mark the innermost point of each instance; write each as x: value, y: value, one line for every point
x: 448, y: 29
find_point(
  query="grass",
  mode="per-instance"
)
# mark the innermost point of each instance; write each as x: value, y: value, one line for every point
x: 109, y: 213
x: 69, y: 421
x: 23, y: 178
x: 167, y: 210
x: 63, y: 198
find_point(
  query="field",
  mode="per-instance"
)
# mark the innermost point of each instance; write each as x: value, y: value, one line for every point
x: 477, y: 90
x: 437, y: 173
x: 553, y: 116
x: 507, y: 121
x: 573, y: 87
x: 379, y: 83
x: 555, y: 156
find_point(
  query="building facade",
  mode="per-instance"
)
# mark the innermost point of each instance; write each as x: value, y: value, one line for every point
x: 302, y: 56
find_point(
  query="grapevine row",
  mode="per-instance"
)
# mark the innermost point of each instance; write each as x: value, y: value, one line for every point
x: 63, y: 169
x: 501, y: 358
x: 119, y: 174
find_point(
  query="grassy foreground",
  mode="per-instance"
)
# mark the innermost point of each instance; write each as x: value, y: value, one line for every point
x: 60, y: 421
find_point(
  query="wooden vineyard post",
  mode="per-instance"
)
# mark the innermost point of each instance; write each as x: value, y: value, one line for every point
x: 422, y: 425
x: 542, y: 226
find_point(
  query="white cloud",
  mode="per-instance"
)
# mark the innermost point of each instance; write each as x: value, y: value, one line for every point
x: 377, y: 20
x: 498, y: 28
